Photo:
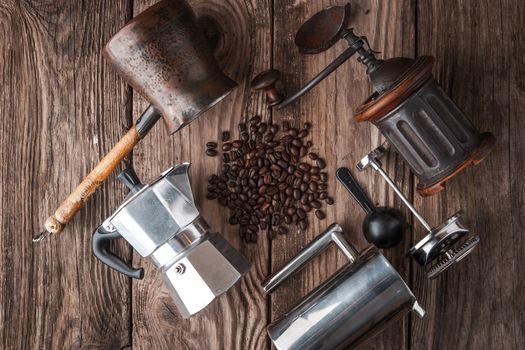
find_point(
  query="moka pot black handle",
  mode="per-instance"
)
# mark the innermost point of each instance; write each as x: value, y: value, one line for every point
x: 100, y: 243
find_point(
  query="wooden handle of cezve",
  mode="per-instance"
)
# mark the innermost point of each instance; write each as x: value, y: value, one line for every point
x: 76, y: 200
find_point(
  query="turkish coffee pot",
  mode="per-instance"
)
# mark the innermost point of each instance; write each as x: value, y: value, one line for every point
x: 413, y: 113
x: 161, y: 221
x: 355, y: 303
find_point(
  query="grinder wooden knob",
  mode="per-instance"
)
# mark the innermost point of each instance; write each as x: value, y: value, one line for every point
x: 265, y: 81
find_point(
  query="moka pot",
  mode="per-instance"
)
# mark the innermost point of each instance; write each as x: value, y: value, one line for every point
x: 161, y: 221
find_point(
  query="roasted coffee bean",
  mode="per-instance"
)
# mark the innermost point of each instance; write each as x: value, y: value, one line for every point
x: 293, y: 132
x: 315, y: 204
x: 323, y: 195
x: 321, y: 163
x: 282, y: 230
x: 262, y: 128
x: 329, y: 200
x: 283, y: 164
x: 225, y: 136
x: 303, y: 225
x: 302, y: 151
x: 297, y: 194
x: 276, y: 219
x: 323, y: 177
x: 274, y: 128
x: 269, y: 137
x: 211, y: 144
x: 304, y: 187
x: 313, y: 156
x: 237, y: 143
x: 303, y: 133
x: 313, y: 186
x: 226, y: 146
x: 320, y: 214
x: 304, y: 167
x: 211, y: 152
x: 286, y: 139
x: 322, y: 186
x: 307, y: 126
x: 255, y: 120
x: 297, y: 142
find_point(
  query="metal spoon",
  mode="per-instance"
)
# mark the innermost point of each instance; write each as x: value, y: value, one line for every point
x: 383, y: 226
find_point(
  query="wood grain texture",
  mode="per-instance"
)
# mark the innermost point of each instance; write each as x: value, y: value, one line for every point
x: 479, y: 53
x: 62, y: 109
x: 237, y: 320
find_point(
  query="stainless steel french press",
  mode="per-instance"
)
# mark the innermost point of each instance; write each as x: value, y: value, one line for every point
x: 347, y: 309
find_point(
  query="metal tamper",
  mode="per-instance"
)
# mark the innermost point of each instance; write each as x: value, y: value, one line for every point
x: 444, y: 245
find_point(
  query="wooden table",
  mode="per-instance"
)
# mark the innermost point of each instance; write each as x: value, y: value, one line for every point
x: 64, y: 107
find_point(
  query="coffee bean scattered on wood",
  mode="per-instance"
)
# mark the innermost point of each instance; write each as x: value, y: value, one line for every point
x: 269, y: 178
x: 211, y: 148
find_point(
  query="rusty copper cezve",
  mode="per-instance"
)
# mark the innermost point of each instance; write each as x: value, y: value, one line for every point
x: 164, y: 56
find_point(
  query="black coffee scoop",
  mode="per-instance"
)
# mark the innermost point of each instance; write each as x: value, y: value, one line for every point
x: 383, y: 226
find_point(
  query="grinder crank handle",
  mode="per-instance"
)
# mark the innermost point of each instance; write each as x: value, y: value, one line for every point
x: 345, y: 177
x: 76, y: 200
x: 100, y: 244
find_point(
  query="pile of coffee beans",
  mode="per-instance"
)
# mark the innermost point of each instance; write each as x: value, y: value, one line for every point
x: 269, y: 178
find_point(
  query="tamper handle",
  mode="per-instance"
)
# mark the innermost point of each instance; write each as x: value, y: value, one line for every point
x: 265, y: 81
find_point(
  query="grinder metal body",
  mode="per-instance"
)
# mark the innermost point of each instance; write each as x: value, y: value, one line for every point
x: 161, y: 221
x: 410, y: 109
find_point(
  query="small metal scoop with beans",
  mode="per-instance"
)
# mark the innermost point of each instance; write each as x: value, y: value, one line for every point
x: 165, y: 56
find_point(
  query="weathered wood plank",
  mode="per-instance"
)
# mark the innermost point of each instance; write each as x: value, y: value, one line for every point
x: 238, y: 318
x: 390, y: 29
x: 62, y: 108
x: 479, y: 53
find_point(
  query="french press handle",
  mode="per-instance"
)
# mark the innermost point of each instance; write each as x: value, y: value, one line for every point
x: 100, y: 243
x: 334, y: 233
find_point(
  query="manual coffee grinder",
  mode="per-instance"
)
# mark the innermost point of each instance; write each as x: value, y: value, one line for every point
x: 161, y: 221
x: 408, y: 106
x: 164, y: 55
